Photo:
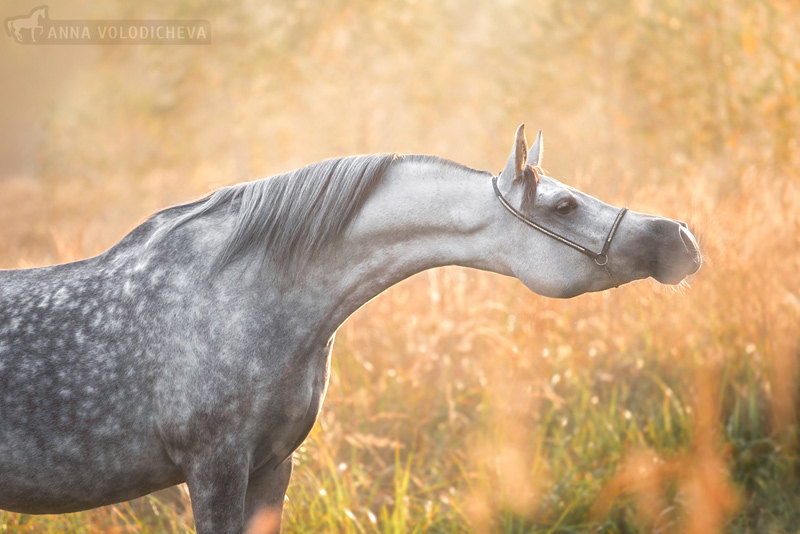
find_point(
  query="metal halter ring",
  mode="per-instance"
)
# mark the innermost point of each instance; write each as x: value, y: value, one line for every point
x: 604, y: 256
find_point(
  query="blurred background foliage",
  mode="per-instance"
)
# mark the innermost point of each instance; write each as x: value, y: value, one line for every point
x: 459, y: 401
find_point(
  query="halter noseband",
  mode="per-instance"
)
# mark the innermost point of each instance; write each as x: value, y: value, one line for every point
x: 600, y: 258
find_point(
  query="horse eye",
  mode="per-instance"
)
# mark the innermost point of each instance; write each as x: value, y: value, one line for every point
x: 566, y: 206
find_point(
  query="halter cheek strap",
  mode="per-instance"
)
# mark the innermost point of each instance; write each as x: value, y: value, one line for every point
x: 600, y: 258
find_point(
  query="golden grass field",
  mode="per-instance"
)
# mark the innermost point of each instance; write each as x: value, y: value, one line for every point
x: 459, y: 401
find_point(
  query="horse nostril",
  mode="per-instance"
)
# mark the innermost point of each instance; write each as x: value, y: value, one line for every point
x: 688, y: 240
x: 690, y: 244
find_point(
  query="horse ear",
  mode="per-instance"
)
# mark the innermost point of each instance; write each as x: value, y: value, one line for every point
x: 536, y: 151
x: 515, y: 166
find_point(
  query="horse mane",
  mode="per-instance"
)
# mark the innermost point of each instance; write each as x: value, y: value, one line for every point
x: 291, y: 216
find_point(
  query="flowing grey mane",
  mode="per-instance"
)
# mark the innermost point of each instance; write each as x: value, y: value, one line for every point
x: 291, y: 216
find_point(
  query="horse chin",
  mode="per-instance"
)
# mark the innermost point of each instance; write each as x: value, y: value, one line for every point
x: 669, y: 278
x: 677, y: 273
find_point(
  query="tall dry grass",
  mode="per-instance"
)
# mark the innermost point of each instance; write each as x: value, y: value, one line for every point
x: 459, y: 401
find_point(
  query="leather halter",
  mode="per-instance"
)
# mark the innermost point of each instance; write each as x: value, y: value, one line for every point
x: 600, y: 258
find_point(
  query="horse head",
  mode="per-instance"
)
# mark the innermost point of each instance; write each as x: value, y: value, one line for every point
x: 564, y: 242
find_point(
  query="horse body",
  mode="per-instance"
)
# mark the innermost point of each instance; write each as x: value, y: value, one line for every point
x: 112, y: 375
x: 75, y: 385
x: 151, y: 364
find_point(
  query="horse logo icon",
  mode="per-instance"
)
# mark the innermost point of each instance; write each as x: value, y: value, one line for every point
x: 32, y: 22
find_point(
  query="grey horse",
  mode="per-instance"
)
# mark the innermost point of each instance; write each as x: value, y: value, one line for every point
x: 197, y: 348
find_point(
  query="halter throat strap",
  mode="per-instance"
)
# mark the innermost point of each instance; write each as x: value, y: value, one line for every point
x: 600, y: 258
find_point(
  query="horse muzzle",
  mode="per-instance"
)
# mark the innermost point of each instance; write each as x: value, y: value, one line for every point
x: 679, y: 255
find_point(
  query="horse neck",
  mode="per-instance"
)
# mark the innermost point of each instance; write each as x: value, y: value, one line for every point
x: 424, y: 214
